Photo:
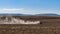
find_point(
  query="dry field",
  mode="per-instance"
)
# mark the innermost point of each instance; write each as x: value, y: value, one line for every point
x: 47, y: 25
x: 28, y: 29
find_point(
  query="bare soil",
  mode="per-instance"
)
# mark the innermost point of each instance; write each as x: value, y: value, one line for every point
x: 48, y: 25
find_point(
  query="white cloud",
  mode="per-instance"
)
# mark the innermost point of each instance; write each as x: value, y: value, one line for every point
x: 10, y: 9
x: 28, y: 10
x: 38, y: 11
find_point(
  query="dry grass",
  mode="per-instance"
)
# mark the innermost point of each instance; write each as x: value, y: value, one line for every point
x: 28, y: 29
x: 49, y: 25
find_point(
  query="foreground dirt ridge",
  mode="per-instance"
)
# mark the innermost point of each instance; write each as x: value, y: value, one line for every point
x: 28, y: 29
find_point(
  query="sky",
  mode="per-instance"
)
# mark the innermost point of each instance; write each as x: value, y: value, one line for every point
x: 30, y: 6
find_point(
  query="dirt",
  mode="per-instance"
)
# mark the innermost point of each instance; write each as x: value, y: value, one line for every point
x: 47, y: 25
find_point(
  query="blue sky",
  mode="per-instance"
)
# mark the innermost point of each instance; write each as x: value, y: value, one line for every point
x: 30, y: 6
